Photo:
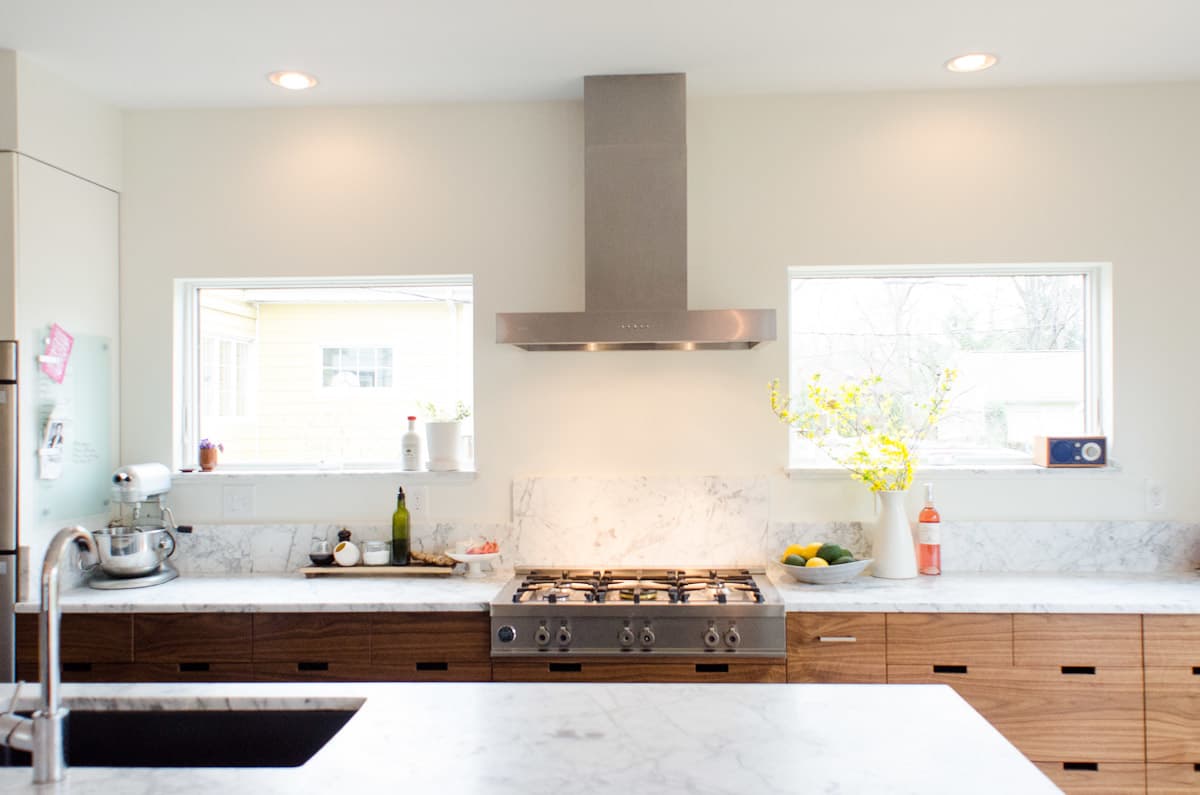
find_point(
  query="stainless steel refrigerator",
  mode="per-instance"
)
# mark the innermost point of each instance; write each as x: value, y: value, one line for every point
x: 8, y: 507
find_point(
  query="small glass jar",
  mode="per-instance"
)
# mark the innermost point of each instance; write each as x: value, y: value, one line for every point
x: 376, y: 553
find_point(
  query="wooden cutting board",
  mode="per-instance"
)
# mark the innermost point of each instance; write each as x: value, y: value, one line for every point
x: 375, y: 571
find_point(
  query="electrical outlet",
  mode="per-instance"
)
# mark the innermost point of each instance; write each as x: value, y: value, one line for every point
x: 1156, y: 497
x: 418, y: 502
x: 237, y: 502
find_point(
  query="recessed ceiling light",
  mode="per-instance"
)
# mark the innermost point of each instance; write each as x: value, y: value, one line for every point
x: 296, y: 81
x: 971, y: 62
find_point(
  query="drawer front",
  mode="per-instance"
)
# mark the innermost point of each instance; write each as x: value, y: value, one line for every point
x: 1096, y: 778
x: 588, y: 670
x: 1056, y: 640
x: 1172, y: 640
x: 192, y: 637
x: 85, y: 672
x: 1173, y: 714
x: 1172, y: 779
x: 949, y: 639
x: 93, y: 638
x: 312, y: 637
x: 434, y: 672
x: 1051, y: 715
x: 836, y: 647
x: 314, y: 672
x: 401, y: 638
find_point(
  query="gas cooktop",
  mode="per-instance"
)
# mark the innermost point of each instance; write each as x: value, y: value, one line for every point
x: 657, y: 611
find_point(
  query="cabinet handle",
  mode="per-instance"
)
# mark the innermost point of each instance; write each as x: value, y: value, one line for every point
x: 312, y: 666
x: 949, y: 669
x: 837, y: 639
x: 433, y: 666
x: 1094, y: 766
x: 712, y: 668
x: 565, y: 668
x: 1087, y: 670
x: 1196, y: 670
x: 186, y: 667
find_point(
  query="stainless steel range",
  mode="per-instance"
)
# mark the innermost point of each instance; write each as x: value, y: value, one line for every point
x: 732, y: 611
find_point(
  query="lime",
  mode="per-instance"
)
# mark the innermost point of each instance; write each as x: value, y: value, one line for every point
x: 793, y: 560
x: 843, y: 559
x: 831, y: 552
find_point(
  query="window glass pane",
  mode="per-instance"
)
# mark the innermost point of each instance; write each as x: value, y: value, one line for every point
x: 1017, y: 342
x: 327, y: 374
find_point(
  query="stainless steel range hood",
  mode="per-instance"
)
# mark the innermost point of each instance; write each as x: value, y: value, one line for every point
x: 635, y: 193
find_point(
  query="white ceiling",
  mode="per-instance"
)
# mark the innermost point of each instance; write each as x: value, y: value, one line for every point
x: 184, y: 53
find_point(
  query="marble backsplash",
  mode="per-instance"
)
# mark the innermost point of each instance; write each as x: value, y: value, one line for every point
x: 657, y: 521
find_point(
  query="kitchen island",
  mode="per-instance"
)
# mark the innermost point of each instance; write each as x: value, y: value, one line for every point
x: 541, y: 738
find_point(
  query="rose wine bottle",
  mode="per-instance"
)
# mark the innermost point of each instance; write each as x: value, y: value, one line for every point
x: 929, y: 536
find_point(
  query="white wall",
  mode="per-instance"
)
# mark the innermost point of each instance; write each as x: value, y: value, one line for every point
x: 1090, y: 174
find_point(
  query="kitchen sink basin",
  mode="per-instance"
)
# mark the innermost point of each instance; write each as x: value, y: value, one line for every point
x: 193, y: 738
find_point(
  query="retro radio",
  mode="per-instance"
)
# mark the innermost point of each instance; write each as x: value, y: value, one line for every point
x: 1070, y: 451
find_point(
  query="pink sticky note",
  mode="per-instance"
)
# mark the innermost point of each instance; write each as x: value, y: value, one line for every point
x: 58, y: 351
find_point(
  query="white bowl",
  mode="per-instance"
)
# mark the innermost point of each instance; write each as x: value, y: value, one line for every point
x: 827, y: 575
x: 474, y: 569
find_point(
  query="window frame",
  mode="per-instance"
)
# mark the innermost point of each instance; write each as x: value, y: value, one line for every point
x: 185, y: 363
x: 326, y: 391
x: 1098, y: 357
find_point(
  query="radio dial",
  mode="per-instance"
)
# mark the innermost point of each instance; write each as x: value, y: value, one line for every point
x: 1090, y: 452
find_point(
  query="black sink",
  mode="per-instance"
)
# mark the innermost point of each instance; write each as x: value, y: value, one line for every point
x: 192, y: 738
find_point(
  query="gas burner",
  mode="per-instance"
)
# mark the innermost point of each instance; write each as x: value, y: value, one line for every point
x: 628, y: 610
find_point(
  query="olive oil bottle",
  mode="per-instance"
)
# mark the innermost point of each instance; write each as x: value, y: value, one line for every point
x: 400, y: 531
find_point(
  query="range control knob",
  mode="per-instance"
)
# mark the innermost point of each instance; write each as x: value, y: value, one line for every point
x: 563, y: 636
x: 733, y: 638
x: 625, y: 637
x: 712, y: 638
x: 647, y: 636
x: 542, y: 636
x: 507, y: 633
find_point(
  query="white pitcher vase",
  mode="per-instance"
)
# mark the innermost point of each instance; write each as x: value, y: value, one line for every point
x: 892, y: 542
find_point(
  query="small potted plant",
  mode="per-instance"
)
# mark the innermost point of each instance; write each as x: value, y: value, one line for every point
x: 443, y: 435
x: 208, y: 454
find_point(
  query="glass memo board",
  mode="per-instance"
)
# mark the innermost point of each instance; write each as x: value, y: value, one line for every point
x: 85, y: 399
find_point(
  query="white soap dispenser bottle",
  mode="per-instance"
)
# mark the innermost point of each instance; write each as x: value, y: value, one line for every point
x: 410, y: 448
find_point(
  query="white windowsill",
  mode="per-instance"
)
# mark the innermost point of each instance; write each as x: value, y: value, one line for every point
x: 234, y: 474
x: 823, y: 472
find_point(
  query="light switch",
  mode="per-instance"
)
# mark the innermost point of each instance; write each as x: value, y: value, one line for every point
x: 237, y: 502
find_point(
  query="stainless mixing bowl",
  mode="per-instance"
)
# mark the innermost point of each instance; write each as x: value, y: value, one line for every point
x: 133, y: 551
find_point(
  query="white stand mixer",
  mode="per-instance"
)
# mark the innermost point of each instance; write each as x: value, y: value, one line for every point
x: 134, y: 548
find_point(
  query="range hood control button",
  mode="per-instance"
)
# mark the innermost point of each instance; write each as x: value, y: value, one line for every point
x: 507, y: 634
x: 712, y: 638
x: 626, y: 638
x: 647, y: 636
x: 564, y: 636
x: 542, y: 636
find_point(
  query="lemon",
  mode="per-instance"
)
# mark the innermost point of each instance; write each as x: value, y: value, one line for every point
x: 816, y: 563
x: 795, y: 549
x: 810, y: 550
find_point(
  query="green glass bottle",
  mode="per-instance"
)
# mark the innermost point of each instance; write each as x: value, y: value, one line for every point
x: 400, y: 533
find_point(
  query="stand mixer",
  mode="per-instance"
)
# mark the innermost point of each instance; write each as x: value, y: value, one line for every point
x: 134, y: 548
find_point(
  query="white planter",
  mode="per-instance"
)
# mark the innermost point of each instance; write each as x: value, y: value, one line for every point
x: 892, y: 539
x: 443, y: 441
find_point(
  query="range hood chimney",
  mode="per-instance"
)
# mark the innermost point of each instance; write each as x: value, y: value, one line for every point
x: 635, y: 225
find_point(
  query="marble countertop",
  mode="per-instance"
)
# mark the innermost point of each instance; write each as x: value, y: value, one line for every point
x: 964, y: 593
x: 644, y: 738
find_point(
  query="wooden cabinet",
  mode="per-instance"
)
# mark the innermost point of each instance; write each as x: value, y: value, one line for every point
x: 93, y: 647
x: 709, y: 668
x: 949, y: 639
x: 312, y: 638
x: 1041, y: 639
x: 836, y: 647
x: 431, y: 647
x: 1173, y: 714
x: 1172, y: 641
x: 193, y: 639
x: 1096, y: 778
x: 1172, y: 779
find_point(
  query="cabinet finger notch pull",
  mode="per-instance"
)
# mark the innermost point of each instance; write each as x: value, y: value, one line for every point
x: 949, y: 669
x: 433, y: 666
x: 312, y: 666
x: 1094, y: 766
x: 186, y: 667
x: 566, y: 668
x: 1085, y: 670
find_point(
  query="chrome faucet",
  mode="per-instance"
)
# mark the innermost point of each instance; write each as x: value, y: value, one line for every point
x: 43, y: 733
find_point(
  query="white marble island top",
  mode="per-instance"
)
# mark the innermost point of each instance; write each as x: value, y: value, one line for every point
x: 955, y: 592
x: 543, y: 738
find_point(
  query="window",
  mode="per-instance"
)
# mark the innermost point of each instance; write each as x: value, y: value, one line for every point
x: 356, y: 367
x: 318, y: 373
x: 1029, y: 344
